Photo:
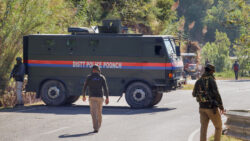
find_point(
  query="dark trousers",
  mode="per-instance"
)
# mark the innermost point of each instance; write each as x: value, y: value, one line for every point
x: 236, y: 75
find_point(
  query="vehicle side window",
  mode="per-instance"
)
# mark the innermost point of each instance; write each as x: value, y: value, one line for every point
x: 50, y: 45
x: 117, y: 47
x: 93, y: 43
x: 70, y: 44
x: 158, y: 50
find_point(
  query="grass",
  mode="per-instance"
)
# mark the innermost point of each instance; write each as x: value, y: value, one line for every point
x: 225, y: 138
x: 8, y: 100
x: 26, y: 105
x: 228, y: 75
x: 188, y: 87
x: 225, y: 75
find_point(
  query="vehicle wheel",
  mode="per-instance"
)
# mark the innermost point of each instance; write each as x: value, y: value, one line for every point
x: 53, y: 93
x: 139, y: 95
x: 157, y: 99
x: 71, y: 99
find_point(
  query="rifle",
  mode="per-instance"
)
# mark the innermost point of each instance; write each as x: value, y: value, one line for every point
x: 13, y: 72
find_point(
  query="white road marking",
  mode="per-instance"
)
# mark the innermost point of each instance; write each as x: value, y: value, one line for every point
x: 191, y: 136
x: 53, y: 131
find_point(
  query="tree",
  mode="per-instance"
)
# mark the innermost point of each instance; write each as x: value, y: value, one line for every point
x: 194, y: 12
x: 217, y: 52
x: 22, y: 17
x: 232, y: 17
x: 153, y: 16
x: 221, y: 16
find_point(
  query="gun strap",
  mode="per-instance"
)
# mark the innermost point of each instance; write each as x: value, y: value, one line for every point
x: 205, y: 87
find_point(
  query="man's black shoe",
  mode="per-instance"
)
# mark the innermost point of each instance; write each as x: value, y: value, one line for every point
x: 95, y: 131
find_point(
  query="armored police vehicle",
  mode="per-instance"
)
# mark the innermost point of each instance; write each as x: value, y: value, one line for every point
x: 141, y: 66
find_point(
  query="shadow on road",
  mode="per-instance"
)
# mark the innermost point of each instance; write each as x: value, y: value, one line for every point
x: 76, y: 135
x: 84, y: 109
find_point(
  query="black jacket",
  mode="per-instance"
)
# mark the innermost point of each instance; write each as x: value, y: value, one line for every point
x: 212, y: 90
x: 18, y: 72
x: 96, y: 83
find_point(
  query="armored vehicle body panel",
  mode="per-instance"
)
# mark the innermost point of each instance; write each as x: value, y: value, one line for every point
x: 142, y: 67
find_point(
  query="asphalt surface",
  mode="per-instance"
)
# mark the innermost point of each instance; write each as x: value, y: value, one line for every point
x: 175, y: 118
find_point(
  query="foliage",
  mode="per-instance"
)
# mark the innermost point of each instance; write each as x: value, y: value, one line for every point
x: 242, y: 48
x: 242, y: 44
x: 217, y: 52
x: 229, y: 74
x: 194, y: 12
x: 232, y: 17
x: 22, y: 17
x: 221, y: 17
x: 153, y: 16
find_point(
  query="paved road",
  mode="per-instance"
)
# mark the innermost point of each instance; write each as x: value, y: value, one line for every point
x: 176, y: 118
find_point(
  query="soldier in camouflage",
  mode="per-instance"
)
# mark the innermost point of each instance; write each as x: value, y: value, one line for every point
x: 211, y: 106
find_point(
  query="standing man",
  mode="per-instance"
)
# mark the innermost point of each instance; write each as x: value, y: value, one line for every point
x: 96, y: 83
x: 211, y: 107
x: 236, y: 68
x: 18, y: 74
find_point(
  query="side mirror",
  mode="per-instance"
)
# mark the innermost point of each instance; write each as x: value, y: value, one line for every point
x: 178, y: 50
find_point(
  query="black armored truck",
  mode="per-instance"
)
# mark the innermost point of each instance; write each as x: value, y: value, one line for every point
x: 140, y: 66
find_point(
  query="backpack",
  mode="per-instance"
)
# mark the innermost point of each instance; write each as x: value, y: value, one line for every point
x: 236, y: 67
x: 202, y: 93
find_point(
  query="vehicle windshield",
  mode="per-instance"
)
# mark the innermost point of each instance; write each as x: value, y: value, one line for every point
x: 173, y: 45
x: 192, y: 66
x: 169, y: 47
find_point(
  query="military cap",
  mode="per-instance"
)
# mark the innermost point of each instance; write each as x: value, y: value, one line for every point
x: 210, y: 67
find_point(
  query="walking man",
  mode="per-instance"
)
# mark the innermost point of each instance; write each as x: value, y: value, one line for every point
x: 236, y: 68
x: 96, y: 83
x: 18, y: 74
x: 211, y: 106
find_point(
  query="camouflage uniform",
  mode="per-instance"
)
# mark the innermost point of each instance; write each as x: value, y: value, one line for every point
x: 207, y: 94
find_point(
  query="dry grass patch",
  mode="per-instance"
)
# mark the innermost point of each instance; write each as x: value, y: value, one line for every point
x: 225, y: 138
x: 9, y: 100
x: 188, y: 87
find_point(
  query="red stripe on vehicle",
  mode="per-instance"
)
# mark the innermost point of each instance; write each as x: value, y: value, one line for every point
x: 137, y: 64
x: 50, y: 62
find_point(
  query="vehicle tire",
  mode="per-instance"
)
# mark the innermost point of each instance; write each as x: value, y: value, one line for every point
x: 139, y: 95
x: 71, y: 99
x: 53, y: 93
x: 157, y: 99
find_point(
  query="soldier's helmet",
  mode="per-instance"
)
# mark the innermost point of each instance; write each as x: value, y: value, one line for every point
x: 95, y: 67
x: 210, y: 67
x: 18, y: 59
